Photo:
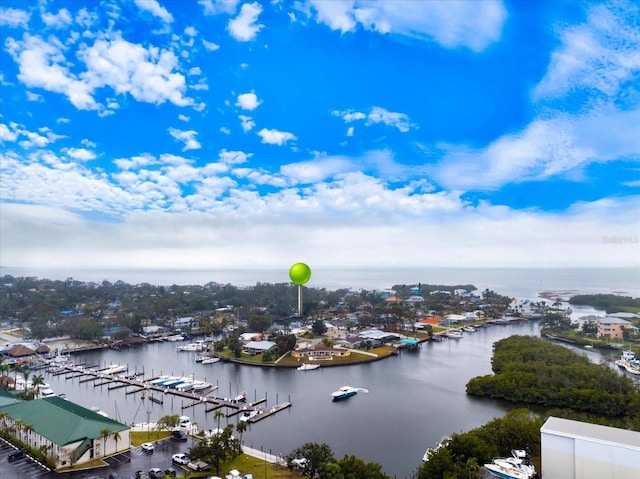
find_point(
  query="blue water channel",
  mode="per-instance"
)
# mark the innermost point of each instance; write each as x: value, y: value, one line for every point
x: 414, y: 399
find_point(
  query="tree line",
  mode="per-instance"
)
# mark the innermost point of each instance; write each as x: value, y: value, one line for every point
x: 533, y: 371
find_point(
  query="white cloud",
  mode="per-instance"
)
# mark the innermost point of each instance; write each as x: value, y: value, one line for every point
x: 62, y: 19
x: 247, y: 123
x: 215, y: 7
x: 471, y: 24
x: 234, y: 157
x: 248, y: 101
x: 210, y: 46
x: 13, y: 17
x: 43, y: 65
x: 275, y: 137
x: 378, y: 115
x: 188, y: 137
x: 318, y: 169
x: 146, y: 74
x: 601, y: 55
x: 153, y: 7
x: 81, y: 154
x: 245, y: 26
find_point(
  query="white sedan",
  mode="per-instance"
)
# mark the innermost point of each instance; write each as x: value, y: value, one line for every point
x: 148, y: 447
x: 180, y: 459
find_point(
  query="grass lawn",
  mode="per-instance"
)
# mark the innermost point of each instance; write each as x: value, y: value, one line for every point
x: 252, y: 465
x: 140, y: 437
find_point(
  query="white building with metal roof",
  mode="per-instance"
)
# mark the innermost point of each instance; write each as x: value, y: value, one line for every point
x: 579, y: 450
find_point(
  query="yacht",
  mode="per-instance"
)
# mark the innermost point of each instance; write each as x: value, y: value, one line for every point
x: 454, y: 334
x: 308, y: 367
x: 196, y: 346
x: 518, y: 466
x: 343, y: 393
x: 210, y: 360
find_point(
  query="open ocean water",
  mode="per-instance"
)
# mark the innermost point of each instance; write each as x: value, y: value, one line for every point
x: 521, y: 283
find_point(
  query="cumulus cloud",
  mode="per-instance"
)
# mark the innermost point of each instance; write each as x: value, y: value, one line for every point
x: 248, y: 101
x: 155, y: 9
x: 245, y: 26
x: 188, y: 137
x: 276, y: 137
x: 457, y: 23
x: 148, y: 75
x: 81, y: 154
x: 247, y: 123
x: 14, y: 18
x: 210, y: 46
x: 62, y: 19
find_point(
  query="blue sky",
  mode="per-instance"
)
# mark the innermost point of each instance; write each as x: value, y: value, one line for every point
x: 207, y: 134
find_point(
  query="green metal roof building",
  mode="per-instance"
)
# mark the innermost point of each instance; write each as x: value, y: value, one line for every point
x: 70, y: 434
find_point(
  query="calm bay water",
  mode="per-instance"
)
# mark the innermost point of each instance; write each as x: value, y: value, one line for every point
x: 515, y: 282
x: 413, y: 400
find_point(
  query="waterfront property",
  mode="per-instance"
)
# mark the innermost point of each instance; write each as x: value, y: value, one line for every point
x: 612, y: 327
x: 320, y: 352
x: 579, y: 450
x: 67, y: 433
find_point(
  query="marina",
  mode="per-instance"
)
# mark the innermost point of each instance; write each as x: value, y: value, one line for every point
x: 419, y: 391
x: 199, y: 392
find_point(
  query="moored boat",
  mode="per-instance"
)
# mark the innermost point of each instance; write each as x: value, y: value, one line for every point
x: 308, y: 367
x: 210, y: 360
x: 518, y: 466
x: 343, y: 393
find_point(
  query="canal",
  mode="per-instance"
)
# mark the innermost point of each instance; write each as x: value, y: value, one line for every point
x: 413, y: 399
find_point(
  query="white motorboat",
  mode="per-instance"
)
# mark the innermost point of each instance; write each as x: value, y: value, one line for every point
x: 308, y: 367
x: 629, y: 362
x: 343, y: 393
x: 518, y: 466
x: 210, y: 360
x: 454, y: 334
x: 115, y: 369
x: 200, y: 385
x: 196, y: 346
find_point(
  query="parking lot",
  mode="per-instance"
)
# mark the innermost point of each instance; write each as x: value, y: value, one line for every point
x: 124, y: 465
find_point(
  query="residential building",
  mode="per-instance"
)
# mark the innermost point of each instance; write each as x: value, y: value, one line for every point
x: 612, y: 327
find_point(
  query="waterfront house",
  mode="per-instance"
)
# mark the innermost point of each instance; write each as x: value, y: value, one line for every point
x: 612, y: 327
x: 69, y: 433
x: 258, y: 347
x: 320, y: 352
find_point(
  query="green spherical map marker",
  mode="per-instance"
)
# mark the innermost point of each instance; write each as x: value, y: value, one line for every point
x: 300, y: 273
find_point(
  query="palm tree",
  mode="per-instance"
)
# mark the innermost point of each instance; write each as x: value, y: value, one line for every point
x: 116, y: 437
x: 218, y: 414
x: 241, y: 427
x: 36, y: 382
x: 104, y: 434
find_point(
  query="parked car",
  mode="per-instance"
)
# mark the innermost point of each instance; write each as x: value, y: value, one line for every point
x: 141, y: 475
x: 148, y: 447
x: 180, y: 458
x: 179, y: 436
x: 198, y: 466
x: 156, y: 473
x: 170, y: 472
x: 15, y: 455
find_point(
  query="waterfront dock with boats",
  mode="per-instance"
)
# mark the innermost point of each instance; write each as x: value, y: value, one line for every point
x: 197, y: 392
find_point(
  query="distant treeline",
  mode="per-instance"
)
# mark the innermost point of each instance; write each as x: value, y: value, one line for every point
x: 611, y: 303
x: 533, y: 371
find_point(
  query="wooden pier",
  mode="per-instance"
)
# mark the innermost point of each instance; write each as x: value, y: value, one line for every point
x: 156, y: 393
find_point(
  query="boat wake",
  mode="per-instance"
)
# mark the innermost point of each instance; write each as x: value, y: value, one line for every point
x: 362, y: 390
